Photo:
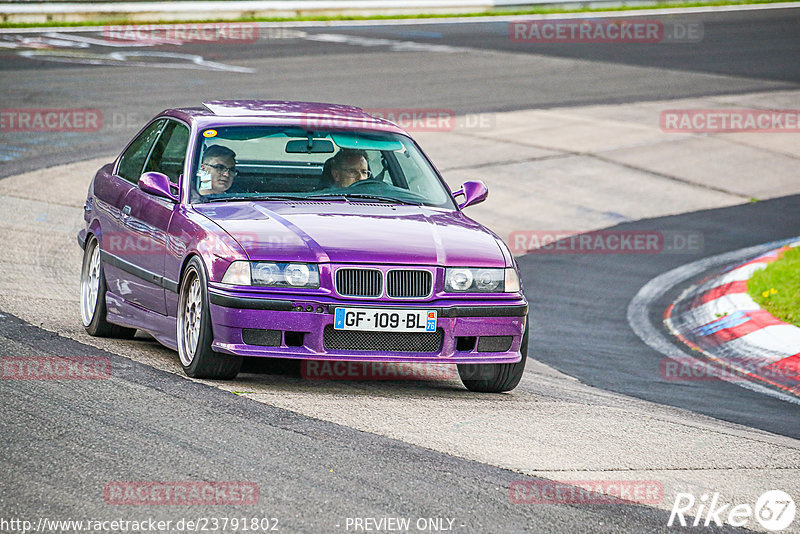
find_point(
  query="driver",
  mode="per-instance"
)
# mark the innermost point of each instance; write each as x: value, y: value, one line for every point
x: 218, y: 170
x: 348, y: 166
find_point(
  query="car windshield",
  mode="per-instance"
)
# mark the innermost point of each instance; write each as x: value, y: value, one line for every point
x: 280, y: 163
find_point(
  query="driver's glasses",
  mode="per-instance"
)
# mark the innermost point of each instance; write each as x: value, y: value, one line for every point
x: 222, y: 169
x: 357, y: 172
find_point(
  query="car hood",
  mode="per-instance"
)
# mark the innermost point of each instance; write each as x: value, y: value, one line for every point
x: 355, y: 232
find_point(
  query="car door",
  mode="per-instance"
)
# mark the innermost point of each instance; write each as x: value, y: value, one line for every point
x: 110, y: 193
x: 146, y: 220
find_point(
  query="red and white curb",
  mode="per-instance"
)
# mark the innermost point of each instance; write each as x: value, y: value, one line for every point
x: 719, y: 319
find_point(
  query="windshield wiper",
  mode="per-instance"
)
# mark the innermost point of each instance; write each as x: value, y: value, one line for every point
x: 257, y: 197
x: 319, y: 197
x: 369, y: 197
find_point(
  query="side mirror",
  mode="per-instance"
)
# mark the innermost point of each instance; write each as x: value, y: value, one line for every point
x: 473, y: 193
x: 156, y: 184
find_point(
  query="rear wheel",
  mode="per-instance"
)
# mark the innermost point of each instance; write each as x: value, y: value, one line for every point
x: 495, y: 377
x: 194, y: 330
x: 93, y: 296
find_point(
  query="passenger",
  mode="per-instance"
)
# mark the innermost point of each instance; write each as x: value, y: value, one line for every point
x: 347, y: 167
x: 218, y: 170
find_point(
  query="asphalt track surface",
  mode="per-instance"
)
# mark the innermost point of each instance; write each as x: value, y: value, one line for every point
x: 147, y: 424
x: 579, y: 305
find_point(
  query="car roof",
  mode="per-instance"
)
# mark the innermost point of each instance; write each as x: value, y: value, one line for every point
x: 217, y: 113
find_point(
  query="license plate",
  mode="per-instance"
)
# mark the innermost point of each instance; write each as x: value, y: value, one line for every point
x: 384, y: 320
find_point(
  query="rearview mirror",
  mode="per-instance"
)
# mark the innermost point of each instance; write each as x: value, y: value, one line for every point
x: 156, y: 184
x: 473, y: 192
x: 309, y: 146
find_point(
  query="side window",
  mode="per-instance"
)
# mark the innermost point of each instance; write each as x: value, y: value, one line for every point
x: 132, y: 160
x: 376, y: 166
x: 169, y: 153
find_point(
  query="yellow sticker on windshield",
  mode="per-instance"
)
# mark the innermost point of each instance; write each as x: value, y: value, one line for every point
x: 210, y: 133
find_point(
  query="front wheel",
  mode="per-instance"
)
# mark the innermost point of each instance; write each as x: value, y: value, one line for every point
x: 495, y: 377
x: 194, y: 330
x: 93, y: 296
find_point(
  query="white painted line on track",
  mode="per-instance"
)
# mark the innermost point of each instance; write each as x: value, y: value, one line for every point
x: 102, y: 42
x: 192, y: 61
x: 394, y: 45
x: 56, y: 40
x: 640, y: 305
x: 42, y: 48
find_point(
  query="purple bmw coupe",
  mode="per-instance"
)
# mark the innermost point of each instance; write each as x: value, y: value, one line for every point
x: 297, y: 230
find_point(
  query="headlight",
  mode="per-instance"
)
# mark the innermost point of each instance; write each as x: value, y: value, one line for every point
x: 285, y: 274
x: 297, y: 274
x: 272, y: 274
x: 488, y: 280
x: 471, y: 280
x: 459, y: 279
x: 266, y: 274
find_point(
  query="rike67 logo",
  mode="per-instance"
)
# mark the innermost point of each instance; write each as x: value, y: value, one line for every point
x: 774, y: 510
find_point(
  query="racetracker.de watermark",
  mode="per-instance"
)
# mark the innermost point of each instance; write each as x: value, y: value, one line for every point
x: 198, y: 523
x: 688, y: 369
x: 613, y: 31
x: 409, y: 119
x: 55, y: 368
x: 129, y: 244
x: 50, y: 120
x: 183, y: 493
x: 208, y: 32
x: 418, y: 120
x: 605, y: 242
x: 341, y: 370
x: 585, y: 491
x: 730, y: 120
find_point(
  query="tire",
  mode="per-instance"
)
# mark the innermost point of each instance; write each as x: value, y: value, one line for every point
x: 495, y: 377
x: 93, y: 296
x: 194, y: 329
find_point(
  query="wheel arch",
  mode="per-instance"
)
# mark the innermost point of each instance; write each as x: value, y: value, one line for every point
x: 185, y: 264
x: 94, y: 230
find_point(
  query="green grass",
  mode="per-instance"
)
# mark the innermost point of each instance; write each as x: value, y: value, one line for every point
x: 777, y: 288
x: 490, y: 13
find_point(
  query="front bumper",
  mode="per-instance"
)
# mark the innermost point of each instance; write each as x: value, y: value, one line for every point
x: 467, y: 332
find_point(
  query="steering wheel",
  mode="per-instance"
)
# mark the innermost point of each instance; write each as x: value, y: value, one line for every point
x: 368, y: 181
